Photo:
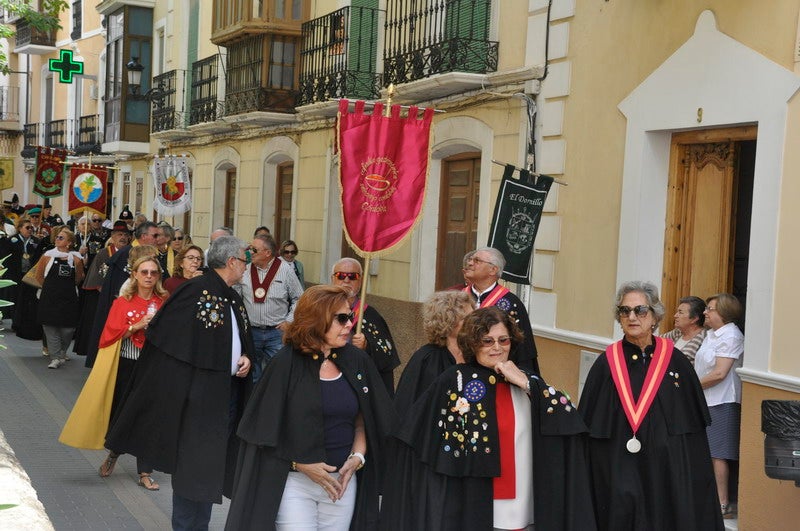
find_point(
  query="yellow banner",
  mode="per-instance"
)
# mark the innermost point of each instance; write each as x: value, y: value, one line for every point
x: 6, y: 173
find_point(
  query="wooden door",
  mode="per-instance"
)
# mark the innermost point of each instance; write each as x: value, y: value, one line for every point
x: 701, y: 214
x: 458, y: 216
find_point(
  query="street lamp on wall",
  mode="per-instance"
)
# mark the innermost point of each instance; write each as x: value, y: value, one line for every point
x: 135, y: 69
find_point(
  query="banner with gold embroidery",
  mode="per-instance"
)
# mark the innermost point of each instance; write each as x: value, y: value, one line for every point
x: 48, y: 174
x: 383, y: 169
x: 6, y: 173
x: 173, y: 188
x: 87, y: 189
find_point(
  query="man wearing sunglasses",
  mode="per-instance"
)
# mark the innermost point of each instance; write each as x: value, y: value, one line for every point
x: 270, y: 289
x: 375, y: 338
x: 482, y: 269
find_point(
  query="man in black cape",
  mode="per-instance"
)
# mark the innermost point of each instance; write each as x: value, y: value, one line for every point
x: 482, y: 269
x: 441, y: 489
x: 277, y: 429
x: 188, y: 389
x: 117, y: 272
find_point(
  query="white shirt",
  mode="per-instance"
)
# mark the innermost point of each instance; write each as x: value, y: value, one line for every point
x: 725, y: 342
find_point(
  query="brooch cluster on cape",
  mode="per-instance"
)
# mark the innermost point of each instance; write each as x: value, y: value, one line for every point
x: 463, y: 421
x: 211, y: 310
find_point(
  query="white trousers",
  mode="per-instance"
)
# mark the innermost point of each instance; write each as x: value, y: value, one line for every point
x: 306, y: 506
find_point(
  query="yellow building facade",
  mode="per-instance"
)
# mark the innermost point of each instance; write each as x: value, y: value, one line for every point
x: 673, y: 124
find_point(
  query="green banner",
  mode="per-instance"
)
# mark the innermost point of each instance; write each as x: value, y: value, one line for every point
x: 515, y: 223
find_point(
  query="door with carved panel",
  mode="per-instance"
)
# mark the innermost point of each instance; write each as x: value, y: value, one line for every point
x: 458, y: 216
x: 707, y: 205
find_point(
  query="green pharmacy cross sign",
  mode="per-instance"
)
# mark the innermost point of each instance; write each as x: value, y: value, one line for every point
x: 66, y: 67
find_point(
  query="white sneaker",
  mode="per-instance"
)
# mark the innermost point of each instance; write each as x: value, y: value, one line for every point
x: 55, y: 364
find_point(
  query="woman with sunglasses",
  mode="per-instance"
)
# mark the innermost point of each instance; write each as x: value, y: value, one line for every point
x: 188, y: 265
x: 289, y: 255
x: 59, y: 271
x: 21, y: 249
x: 313, y: 428
x: 179, y: 241
x: 495, y: 446
x: 120, y: 344
x: 647, y: 417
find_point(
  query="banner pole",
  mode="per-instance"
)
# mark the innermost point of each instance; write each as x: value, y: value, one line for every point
x: 363, y: 295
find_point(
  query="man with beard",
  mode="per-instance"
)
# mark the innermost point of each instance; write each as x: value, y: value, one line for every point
x: 482, y: 271
x: 375, y: 338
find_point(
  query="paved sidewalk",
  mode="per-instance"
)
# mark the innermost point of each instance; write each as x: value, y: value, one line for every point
x: 34, y: 404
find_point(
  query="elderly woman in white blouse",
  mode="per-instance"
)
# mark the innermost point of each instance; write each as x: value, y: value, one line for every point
x: 715, y: 363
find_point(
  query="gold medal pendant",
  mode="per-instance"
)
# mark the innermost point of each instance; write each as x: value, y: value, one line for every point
x: 260, y: 293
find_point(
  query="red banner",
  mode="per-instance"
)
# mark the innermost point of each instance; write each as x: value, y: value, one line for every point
x: 87, y: 189
x: 383, y: 167
x: 48, y: 180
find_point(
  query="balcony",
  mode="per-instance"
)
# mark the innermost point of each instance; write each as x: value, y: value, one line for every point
x: 90, y: 135
x: 447, y: 39
x: 31, y: 139
x: 9, y: 109
x: 338, y: 55
x: 167, y: 111
x: 56, y: 135
x: 233, y: 20
x: 206, y: 107
x: 30, y: 40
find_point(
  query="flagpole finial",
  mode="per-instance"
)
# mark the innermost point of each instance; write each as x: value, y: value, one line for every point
x: 389, y: 97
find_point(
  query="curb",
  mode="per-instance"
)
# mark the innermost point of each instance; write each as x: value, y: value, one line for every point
x: 16, y: 488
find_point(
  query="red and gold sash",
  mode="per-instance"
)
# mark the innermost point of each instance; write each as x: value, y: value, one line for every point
x: 497, y: 293
x: 260, y: 289
x: 356, y: 311
x: 636, y: 410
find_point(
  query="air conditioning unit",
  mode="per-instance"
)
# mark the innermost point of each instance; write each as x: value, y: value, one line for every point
x: 94, y: 91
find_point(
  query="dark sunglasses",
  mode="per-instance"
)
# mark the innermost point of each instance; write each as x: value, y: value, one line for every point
x: 179, y: 238
x: 286, y: 251
x: 490, y: 341
x: 95, y: 221
x: 344, y: 318
x: 149, y: 272
x: 28, y: 227
x: 640, y: 311
x: 341, y: 275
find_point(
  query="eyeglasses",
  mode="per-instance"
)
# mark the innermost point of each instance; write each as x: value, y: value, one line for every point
x: 244, y: 260
x: 286, y: 251
x: 344, y: 318
x: 28, y: 227
x: 192, y: 258
x: 179, y: 238
x: 95, y: 221
x: 149, y: 272
x: 61, y: 237
x: 341, y: 275
x: 709, y: 309
x: 640, y: 311
x: 35, y: 215
x: 490, y: 341
x: 478, y: 260
x: 253, y: 250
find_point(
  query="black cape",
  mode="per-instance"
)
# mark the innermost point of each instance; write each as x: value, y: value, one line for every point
x: 380, y: 346
x: 425, y: 365
x: 176, y: 412
x: 283, y: 423
x: 447, y: 490
x: 670, y: 483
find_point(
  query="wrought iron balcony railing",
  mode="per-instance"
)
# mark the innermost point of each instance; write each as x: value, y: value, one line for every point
x: 9, y: 104
x: 338, y: 54
x: 437, y: 37
x: 166, y: 113
x: 56, y: 134
x: 259, y: 99
x: 31, y: 139
x: 90, y: 135
x: 27, y: 35
x: 204, y: 106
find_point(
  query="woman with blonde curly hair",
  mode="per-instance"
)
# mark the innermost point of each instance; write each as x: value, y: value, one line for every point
x: 120, y: 344
x: 442, y: 316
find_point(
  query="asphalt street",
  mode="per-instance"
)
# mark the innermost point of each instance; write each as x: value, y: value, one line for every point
x: 34, y: 404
